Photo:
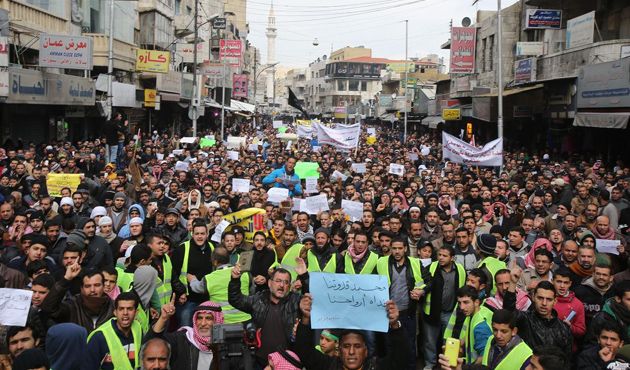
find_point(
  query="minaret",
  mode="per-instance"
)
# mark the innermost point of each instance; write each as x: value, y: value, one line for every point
x: 271, y: 52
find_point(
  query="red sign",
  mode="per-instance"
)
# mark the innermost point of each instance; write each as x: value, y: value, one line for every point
x: 463, y: 43
x: 239, y: 87
x: 232, y: 51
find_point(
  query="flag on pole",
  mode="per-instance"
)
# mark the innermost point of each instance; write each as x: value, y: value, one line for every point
x: 293, y: 101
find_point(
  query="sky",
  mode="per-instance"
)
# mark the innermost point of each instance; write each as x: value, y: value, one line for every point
x: 375, y: 24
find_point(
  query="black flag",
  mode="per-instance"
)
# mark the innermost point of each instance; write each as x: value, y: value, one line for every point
x: 293, y: 101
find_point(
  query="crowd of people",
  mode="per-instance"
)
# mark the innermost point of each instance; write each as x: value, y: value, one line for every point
x: 522, y: 267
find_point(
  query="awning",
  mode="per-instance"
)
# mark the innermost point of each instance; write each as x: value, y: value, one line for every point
x: 514, y: 91
x: 243, y: 114
x: 601, y: 120
x: 432, y: 121
x: 242, y: 106
x: 389, y: 117
x: 214, y: 104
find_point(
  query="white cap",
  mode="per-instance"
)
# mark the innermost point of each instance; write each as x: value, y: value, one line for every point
x: 98, y: 211
x: 105, y: 220
x: 66, y: 201
x: 136, y: 221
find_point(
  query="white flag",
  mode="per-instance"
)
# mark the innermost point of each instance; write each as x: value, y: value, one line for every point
x: 341, y: 137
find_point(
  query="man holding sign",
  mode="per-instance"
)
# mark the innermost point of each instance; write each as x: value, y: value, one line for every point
x: 353, y: 350
x: 285, y: 177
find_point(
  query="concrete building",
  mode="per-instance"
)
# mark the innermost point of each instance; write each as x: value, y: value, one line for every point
x: 350, y: 53
x: 317, y: 87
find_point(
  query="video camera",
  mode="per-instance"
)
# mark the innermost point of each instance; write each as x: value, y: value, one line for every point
x: 227, y: 333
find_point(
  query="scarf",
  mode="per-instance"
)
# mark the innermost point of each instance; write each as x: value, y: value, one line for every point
x: 114, y: 293
x: 109, y: 237
x: 579, y: 270
x: 609, y: 235
x: 539, y: 243
x: 94, y: 305
x: 356, y: 257
x: 202, y: 343
x: 281, y: 363
x: 522, y: 301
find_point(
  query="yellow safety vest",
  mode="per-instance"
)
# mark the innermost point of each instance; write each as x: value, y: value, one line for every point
x: 119, y: 356
x: 184, y: 271
x: 461, y: 276
x: 513, y: 360
x: 493, y: 265
x: 217, y: 286
x: 288, y: 261
x: 313, y: 263
x: 164, y: 288
x: 468, y: 336
x: 125, y: 280
x: 382, y: 267
x: 367, y: 269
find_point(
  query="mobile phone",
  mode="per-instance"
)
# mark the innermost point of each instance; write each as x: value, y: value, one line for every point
x: 245, y: 260
x: 451, y: 351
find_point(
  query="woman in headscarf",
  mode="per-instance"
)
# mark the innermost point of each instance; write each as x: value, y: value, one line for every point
x: 191, y: 347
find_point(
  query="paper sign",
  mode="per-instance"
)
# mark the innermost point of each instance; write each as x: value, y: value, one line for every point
x: 305, y: 170
x: 289, y: 145
x: 178, y: 151
x: 352, y: 209
x: 187, y: 140
x: 218, y: 231
x: 347, y: 301
x: 57, y: 181
x: 282, y: 129
x: 425, y: 261
x: 235, y: 142
x: 607, y: 246
x: 311, y: 185
x: 296, y: 204
x: 338, y: 175
x: 277, y: 124
x: 253, y: 147
x: 359, y: 168
x: 14, y: 306
x: 316, y: 148
x: 233, y: 155
x: 159, y: 156
x: 413, y: 156
x: 277, y: 195
x: 314, y: 205
x: 207, y: 143
x: 210, y: 137
x: 240, y: 185
x: 396, y: 169
x: 371, y: 131
x: 181, y: 166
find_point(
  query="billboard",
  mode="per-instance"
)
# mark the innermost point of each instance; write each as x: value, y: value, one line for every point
x: 59, y: 51
x: 524, y: 48
x: 580, y: 30
x: 543, y: 18
x: 525, y: 71
x: 454, y: 114
x: 239, y: 86
x: 604, y: 85
x: 231, y: 51
x: 463, y: 44
x: 152, y: 61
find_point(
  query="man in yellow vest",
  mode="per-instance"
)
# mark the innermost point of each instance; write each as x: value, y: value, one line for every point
x: 406, y: 285
x: 161, y: 262
x: 114, y: 344
x: 216, y: 283
x: 358, y: 259
x: 322, y: 257
x: 476, y: 329
x: 505, y: 350
x: 490, y: 264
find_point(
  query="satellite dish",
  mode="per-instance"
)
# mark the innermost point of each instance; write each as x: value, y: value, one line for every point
x: 466, y: 22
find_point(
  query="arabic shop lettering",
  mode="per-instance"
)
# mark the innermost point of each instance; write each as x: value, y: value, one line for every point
x: 147, y: 58
x: 48, y: 43
x: 38, y: 88
x: 343, y: 291
x: 81, y: 92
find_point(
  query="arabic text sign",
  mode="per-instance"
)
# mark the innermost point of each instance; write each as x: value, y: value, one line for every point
x: 525, y: 70
x: 14, y: 306
x: 28, y: 86
x: 451, y: 114
x: 314, y: 205
x: 57, y: 181
x: 231, y: 51
x: 580, y: 30
x: 396, y: 169
x: 240, y: 185
x: 342, y: 137
x: 311, y: 185
x: 607, y: 246
x: 58, y: 51
x: 349, y: 301
x: 359, y: 167
x: 460, y: 151
x: 152, y: 60
x: 352, y: 209
x: 544, y: 18
x: 463, y: 43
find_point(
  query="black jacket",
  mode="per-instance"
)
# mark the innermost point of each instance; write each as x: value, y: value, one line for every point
x: 592, y: 299
x: 589, y: 359
x: 311, y: 358
x: 184, y: 355
x: 435, y: 286
x: 536, y: 330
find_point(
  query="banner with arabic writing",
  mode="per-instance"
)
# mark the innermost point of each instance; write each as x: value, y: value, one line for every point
x: 460, y: 151
x: 59, y: 51
x: 152, y: 61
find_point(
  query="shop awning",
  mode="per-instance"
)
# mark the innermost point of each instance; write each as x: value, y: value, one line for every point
x: 242, y: 106
x: 514, y: 91
x: 432, y: 121
x: 390, y: 117
x: 601, y: 120
x: 243, y: 114
x: 214, y: 104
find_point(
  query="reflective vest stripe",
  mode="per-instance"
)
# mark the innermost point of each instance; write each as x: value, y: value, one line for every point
x: 119, y: 356
x: 468, y: 332
x: 217, y: 285
x: 183, y: 273
x: 164, y: 288
x: 313, y: 263
x: 461, y: 277
x: 513, y: 360
x: 367, y: 269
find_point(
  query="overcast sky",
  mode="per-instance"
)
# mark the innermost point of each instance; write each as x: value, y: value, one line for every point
x: 376, y: 24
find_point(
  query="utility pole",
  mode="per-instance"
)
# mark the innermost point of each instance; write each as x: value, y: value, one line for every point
x: 110, y: 61
x: 500, y: 72
x: 195, y: 98
x: 255, y: 91
x: 223, y: 95
x: 406, y: 76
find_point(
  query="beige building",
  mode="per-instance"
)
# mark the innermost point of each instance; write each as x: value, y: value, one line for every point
x: 350, y: 53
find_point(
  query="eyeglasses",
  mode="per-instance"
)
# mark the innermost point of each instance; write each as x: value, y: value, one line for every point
x: 282, y: 282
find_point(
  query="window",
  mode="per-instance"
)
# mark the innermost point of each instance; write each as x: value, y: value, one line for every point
x: 483, y: 55
x: 341, y: 85
x: 490, y: 53
x: 53, y: 6
x: 353, y: 85
x: 363, y: 85
x: 178, y: 5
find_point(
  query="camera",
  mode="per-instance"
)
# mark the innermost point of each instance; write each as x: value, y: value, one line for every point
x: 227, y: 333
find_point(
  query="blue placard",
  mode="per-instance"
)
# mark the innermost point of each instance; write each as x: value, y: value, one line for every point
x: 544, y: 18
x: 342, y: 301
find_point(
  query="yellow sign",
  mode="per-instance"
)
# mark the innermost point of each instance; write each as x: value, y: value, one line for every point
x: 453, y: 114
x: 57, y: 181
x: 149, y: 97
x: 250, y: 219
x: 303, y: 122
x: 152, y: 60
x: 399, y: 67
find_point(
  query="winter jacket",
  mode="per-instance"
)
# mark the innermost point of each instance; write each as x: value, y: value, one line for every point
x: 564, y: 306
x: 176, y: 235
x: 311, y: 358
x: 592, y: 298
x: 589, y: 359
x: 280, y: 173
x: 607, y: 314
x: 99, y: 254
x: 124, y: 231
x: 536, y: 330
x: 184, y: 355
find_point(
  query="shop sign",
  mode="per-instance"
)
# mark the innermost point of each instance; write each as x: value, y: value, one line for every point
x: 29, y: 86
x: 543, y: 18
x: 59, y: 51
x: 451, y: 114
x: 525, y: 71
x: 152, y: 60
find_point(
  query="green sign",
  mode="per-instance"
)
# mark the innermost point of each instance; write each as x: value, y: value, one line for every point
x: 282, y: 129
x: 206, y: 143
x: 307, y: 169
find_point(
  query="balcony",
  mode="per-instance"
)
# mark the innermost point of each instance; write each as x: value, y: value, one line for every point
x: 124, y: 54
x: 184, y: 25
x: 26, y: 18
x: 566, y: 64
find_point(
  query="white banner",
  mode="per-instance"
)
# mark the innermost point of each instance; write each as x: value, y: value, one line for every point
x: 460, y: 151
x: 305, y: 131
x: 341, y: 137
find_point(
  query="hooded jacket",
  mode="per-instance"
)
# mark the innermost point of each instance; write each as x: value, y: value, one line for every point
x: 65, y: 346
x: 124, y: 231
x: 592, y: 297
